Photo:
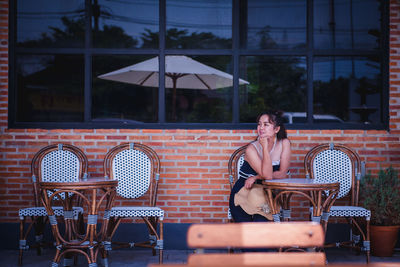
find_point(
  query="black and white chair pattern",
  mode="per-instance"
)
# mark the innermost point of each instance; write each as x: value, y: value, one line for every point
x: 338, y: 163
x: 235, y: 162
x: 137, y: 169
x: 53, y: 163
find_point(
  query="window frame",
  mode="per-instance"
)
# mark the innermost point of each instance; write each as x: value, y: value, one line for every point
x: 235, y: 52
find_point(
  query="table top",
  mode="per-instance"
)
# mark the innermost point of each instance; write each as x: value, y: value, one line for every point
x: 89, y: 183
x: 299, y: 183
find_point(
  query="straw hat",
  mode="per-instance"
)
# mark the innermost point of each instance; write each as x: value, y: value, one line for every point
x: 253, y: 201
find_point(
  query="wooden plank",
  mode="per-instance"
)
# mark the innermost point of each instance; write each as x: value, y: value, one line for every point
x: 252, y: 235
x: 259, y: 259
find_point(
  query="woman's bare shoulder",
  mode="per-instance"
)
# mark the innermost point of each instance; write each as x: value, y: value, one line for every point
x: 250, y: 150
x: 286, y: 142
x: 250, y: 147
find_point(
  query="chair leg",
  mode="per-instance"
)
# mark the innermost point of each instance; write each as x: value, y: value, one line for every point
x: 156, y: 240
x: 39, y: 229
x: 104, y: 257
x: 56, y: 259
x: 38, y: 224
x: 22, y: 240
x: 365, y: 246
x: 367, y: 242
x: 160, y: 256
x: 160, y: 242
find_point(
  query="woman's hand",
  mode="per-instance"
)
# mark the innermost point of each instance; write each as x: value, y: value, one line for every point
x: 250, y: 181
x: 263, y: 141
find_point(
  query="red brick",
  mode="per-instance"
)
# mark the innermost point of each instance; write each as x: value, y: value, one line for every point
x: 191, y: 209
x: 94, y: 137
x: 106, y: 131
x: 114, y: 137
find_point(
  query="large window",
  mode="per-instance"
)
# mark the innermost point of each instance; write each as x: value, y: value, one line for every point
x: 198, y: 64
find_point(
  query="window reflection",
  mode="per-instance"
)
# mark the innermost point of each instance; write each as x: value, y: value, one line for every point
x: 199, y: 24
x: 121, y: 101
x: 348, y: 88
x: 50, y: 88
x: 275, y: 83
x: 271, y: 24
x: 125, y: 24
x: 347, y: 24
x: 49, y: 23
x: 271, y: 47
x: 196, y: 103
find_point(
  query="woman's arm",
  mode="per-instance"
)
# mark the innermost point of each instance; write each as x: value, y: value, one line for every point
x: 263, y: 167
x: 285, y: 160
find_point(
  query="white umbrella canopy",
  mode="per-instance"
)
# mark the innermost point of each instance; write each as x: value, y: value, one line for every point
x: 180, y: 71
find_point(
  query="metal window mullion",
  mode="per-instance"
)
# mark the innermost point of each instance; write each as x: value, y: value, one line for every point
x: 12, y: 77
x: 236, y: 61
x: 161, y: 61
x: 310, y: 61
x: 385, y: 28
x: 87, y: 94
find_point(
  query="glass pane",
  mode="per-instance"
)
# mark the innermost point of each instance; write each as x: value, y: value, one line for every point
x: 203, y: 89
x: 125, y: 24
x: 199, y: 24
x: 49, y: 23
x: 271, y: 24
x: 50, y: 88
x: 347, y: 89
x: 120, y: 98
x: 347, y: 24
x: 275, y: 83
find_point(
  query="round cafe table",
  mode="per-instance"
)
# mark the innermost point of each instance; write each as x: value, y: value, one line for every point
x: 321, y: 197
x: 96, y: 197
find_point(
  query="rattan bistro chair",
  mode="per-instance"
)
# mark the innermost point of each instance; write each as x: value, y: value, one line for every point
x: 137, y: 169
x: 338, y: 163
x: 53, y: 163
x: 235, y: 162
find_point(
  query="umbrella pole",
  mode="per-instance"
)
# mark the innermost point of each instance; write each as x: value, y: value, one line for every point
x: 174, y: 78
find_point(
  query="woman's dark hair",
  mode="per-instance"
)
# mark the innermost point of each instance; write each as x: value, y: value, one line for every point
x: 276, y: 118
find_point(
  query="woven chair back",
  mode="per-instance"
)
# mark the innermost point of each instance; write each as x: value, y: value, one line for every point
x: 58, y: 163
x: 136, y: 167
x: 235, y: 162
x: 335, y: 163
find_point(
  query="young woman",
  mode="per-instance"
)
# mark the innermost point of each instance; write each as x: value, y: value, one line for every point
x: 268, y: 157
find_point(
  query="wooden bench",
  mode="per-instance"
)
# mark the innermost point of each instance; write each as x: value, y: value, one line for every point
x: 305, y: 235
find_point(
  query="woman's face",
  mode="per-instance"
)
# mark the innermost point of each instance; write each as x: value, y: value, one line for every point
x: 266, y: 128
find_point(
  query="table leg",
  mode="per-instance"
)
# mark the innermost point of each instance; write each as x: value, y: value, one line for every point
x: 273, y: 206
x: 104, y: 232
x: 285, y: 200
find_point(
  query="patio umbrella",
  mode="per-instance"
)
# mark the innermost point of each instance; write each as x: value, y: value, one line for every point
x: 180, y: 71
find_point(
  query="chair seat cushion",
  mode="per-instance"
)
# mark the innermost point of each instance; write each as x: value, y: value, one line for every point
x: 137, y: 212
x: 349, y: 211
x: 41, y: 211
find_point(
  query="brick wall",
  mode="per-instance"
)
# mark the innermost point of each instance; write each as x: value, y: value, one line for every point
x: 194, y: 184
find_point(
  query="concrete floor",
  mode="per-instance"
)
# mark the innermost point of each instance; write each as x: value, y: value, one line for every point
x: 141, y: 257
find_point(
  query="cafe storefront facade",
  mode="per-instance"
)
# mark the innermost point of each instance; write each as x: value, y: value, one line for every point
x: 332, y: 67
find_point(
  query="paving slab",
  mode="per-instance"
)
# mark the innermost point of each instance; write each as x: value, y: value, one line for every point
x: 143, y: 257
